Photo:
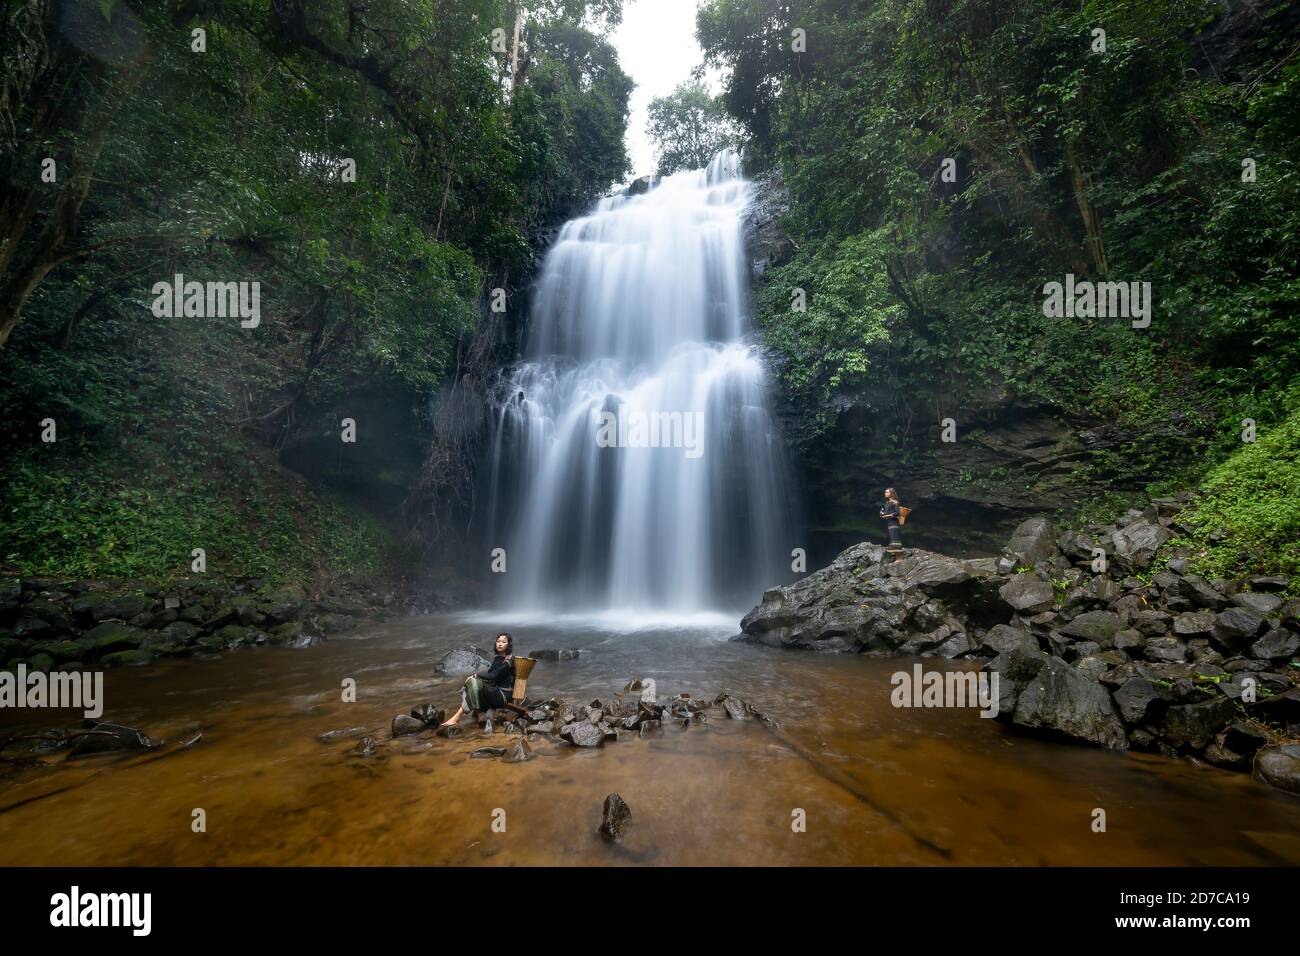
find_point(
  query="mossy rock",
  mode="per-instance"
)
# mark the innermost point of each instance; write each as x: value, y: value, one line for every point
x: 63, y: 650
x: 133, y: 658
x: 111, y: 636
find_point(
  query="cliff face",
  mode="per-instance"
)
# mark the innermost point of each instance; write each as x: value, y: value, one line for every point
x: 1177, y: 664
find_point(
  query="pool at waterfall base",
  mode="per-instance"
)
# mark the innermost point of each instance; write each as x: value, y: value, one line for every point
x: 844, y: 778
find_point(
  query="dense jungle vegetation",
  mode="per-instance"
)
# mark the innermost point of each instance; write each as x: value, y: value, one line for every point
x: 1166, y: 151
x: 379, y: 168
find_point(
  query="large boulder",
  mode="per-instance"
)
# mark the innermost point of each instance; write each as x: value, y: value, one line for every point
x: 1034, y: 540
x: 1136, y: 543
x: 1027, y: 593
x: 1193, y: 726
x: 1099, y: 626
x: 1235, y: 629
x: 1042, y: 692
x: 1279, y: 765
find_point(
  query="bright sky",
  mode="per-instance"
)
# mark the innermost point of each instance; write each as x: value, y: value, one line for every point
x: 656, y: 45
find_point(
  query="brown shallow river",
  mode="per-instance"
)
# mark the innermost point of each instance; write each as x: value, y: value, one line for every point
x: 877, y: 785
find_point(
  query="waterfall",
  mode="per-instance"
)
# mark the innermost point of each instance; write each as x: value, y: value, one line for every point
x: 635, y: 466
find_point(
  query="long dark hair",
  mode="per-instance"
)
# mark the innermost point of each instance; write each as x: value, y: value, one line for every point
x: 510, y: 642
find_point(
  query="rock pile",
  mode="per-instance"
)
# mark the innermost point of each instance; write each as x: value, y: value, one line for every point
x: 1089, y: 642
x: 635, y: 712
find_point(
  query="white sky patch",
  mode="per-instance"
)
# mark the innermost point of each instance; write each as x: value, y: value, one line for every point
x: 656, y: 46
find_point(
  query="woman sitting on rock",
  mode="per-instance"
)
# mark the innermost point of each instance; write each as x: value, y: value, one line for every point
x: 493, y: 687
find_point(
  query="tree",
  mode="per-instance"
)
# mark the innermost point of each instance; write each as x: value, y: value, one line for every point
x: 688, y: 127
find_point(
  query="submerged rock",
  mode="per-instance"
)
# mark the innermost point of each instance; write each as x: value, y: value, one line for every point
x: 518, y: 752
x: 616, y: 818
x: 404, y: 724
x: 103, y: 737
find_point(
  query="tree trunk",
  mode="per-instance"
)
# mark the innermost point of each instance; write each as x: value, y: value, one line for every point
x: 50, y: 247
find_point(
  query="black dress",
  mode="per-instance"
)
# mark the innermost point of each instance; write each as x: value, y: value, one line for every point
x: 890, y: 515
x: 498, y: 683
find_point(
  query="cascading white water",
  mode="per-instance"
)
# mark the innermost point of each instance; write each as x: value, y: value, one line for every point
x: 640, y: 312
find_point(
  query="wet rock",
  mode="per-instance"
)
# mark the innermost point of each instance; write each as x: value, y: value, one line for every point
x: 462, y: 661
x: 1265, y: 583
x: 555, y: 654
x: 133, y: 658
x: 1091, y: 667
x: 519, y: 751
x: 1260, y: 604
x: 735, y: 709
x: 1195, y: 589
x: 542, y: 727
x: 1034, y: 540
x: 180, y: 632
x: 1277, y: 644
x: 365, y: 747
x: 1281, y: 708
x: 1099, y: 626
x: 45, y: 742
x: 1193, y: 726
x: 404, y: 724
x: 429, y: 715
x: 1279, y: 765
x: 649, y: 727
x: 1136, y: 543
x: 582, y: 733
x: 331, y: 735
x: 483, y: 752
x: 1003, y: 638
x: 1027, y: 593
x: 1194, y: 623
x: 103, y: 737
x: 450, y: 731
x: 1138, y: 699
x: 616, y: 818
x: 114, y: 637
x: 1042, y: 692
x: 1225, y: 758
x: 1153, y: 623
x: 1243, y: 737
x: 645, y: 686
x: 1128, y: 639
x: 1235, y: 629
x: 1165, y: 649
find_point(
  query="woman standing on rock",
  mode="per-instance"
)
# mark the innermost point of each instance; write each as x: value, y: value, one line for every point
x: 892, y: 514
x: 493, y: 687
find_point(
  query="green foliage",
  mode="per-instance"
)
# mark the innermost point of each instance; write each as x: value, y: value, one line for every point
x: 688, y: 127
x: 1125, y: 164
x: 236, y: 166
x: 1248, y: 518
x: 249, y: 520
